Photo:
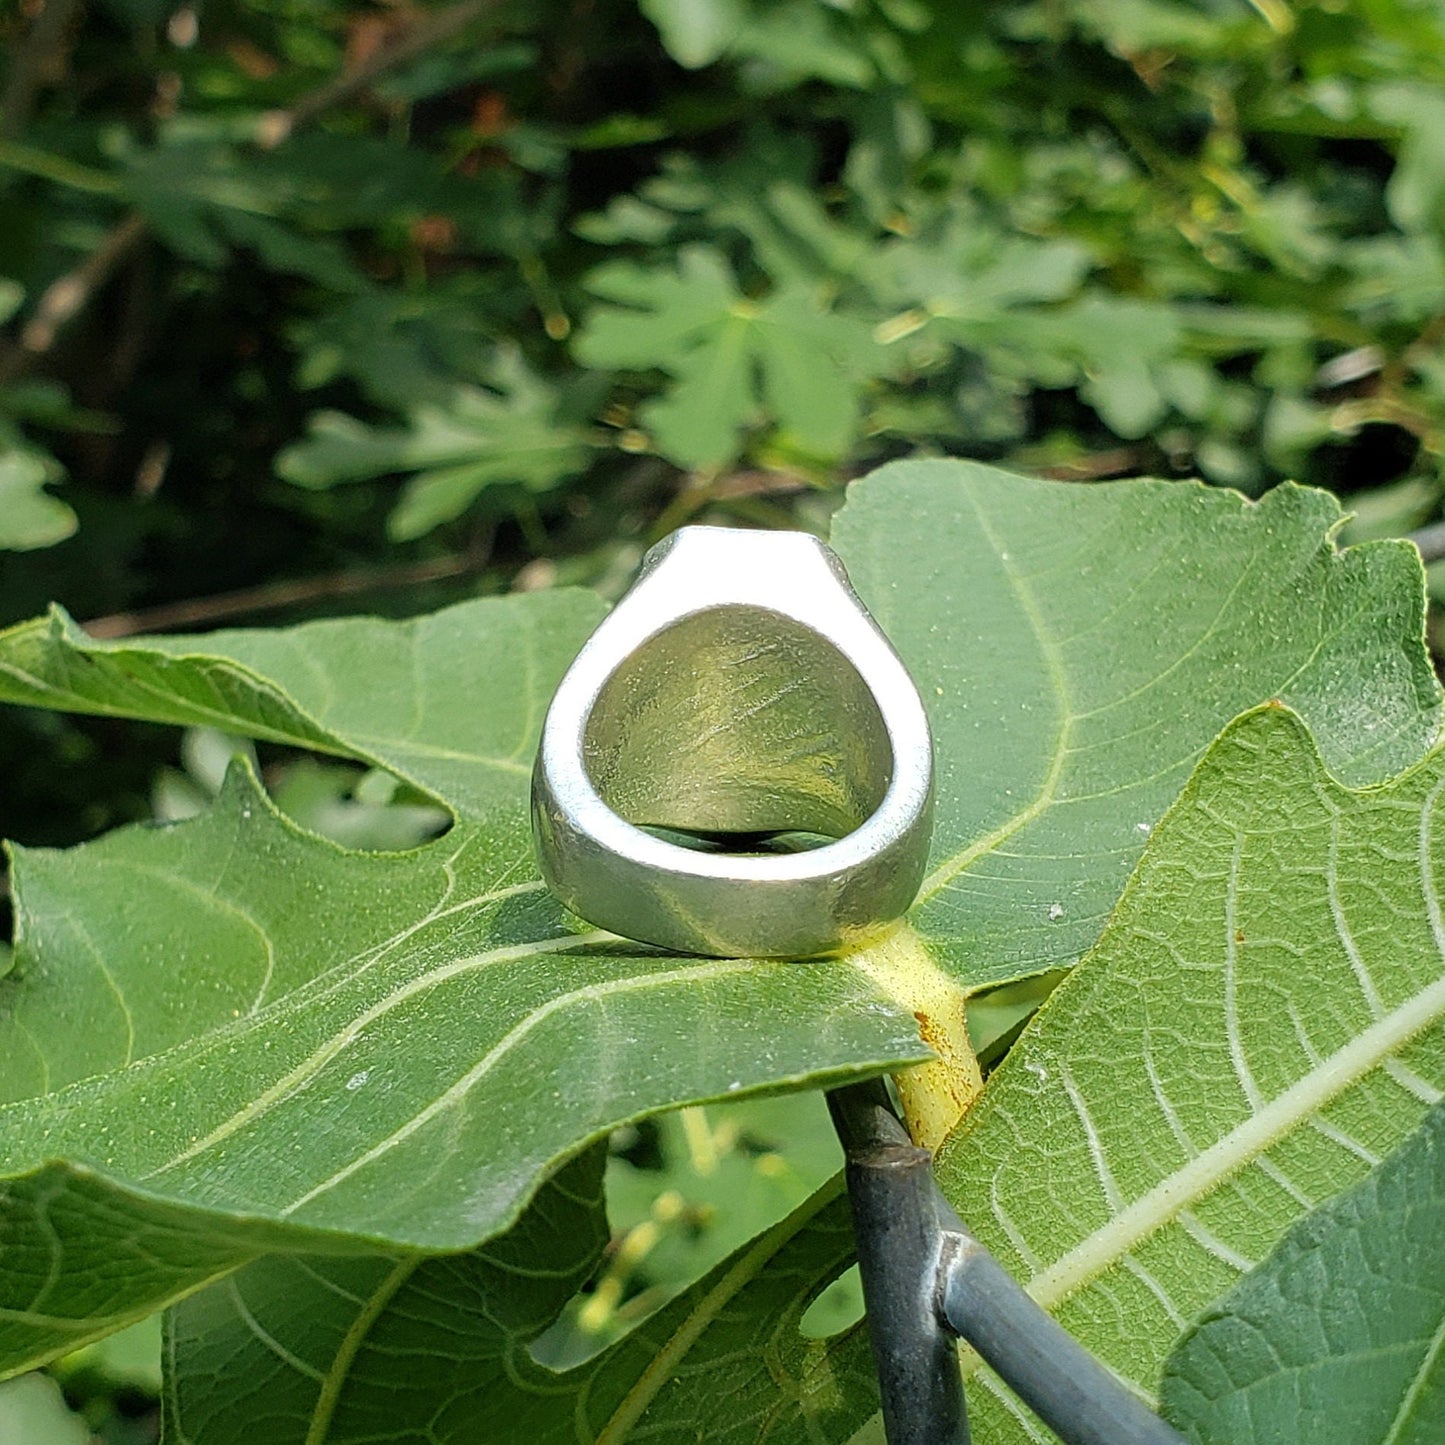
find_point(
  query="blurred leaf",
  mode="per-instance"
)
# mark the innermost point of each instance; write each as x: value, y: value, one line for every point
x: 29, y: 516
x: 727, y: 1173
x: 323, y: 799
x: 983, y: 290
x: 1132, y: 26
x: 1391, y: 511
x: 442, y: 73
x: 203, y: 199
x: 695, y: 32
x: 1338, y: 1332
x: 33, y: 1412
x: 401, y: 348
x: 128, y: 1360
x: 967, y: 272
x: 892, y: 133
x: 1119, y: 347
x: 1399, y: 277
x: 1416, y: 192
x: 735, y: 360
x: 514, y: 433
x: 803, y: 40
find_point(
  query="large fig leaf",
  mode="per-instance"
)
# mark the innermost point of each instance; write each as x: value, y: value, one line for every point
x: 348, y: 1351
x: 235, y: 1032
x: 243, y: 1036
x: 1340, y: 1333
x: 1078, y: 649
x: 1263, y: 1019
x: 312, y: 1348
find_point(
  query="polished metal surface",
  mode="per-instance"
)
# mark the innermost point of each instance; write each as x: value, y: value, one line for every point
x: 737, y: 763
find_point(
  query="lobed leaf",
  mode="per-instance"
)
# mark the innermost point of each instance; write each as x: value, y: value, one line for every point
x: 192, y: 1007
x: 734, y: 358
x: 1262, y: 1021
x: 346, y: 1350
x: 211, y: 1031
x: 29, y: 516
x: 389, y: 1048
x: 1078, y: 648
x: 695, y: 32
x: 453, y: 447
x: 1339, y: 1332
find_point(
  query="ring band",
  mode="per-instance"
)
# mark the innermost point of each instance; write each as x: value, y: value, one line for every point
x: 737, y: 693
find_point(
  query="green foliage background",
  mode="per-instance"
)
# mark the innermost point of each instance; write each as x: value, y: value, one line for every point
x: 399, y: 303
x: 313, y: 307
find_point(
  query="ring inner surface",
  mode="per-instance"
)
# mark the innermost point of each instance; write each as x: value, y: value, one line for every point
x: 735, y: 724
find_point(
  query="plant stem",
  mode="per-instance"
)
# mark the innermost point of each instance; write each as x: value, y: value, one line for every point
x: 926, y: 1278
x: 936, y: 1095
x: 895, y: 1227
x: 203, y: 611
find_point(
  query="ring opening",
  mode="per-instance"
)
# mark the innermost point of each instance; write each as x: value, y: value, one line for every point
x: 742, y: 730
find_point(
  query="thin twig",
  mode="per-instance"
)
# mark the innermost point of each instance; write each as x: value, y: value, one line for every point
x: 63, y: 298
x: 1096, y: 467
x: 204, y: 611
x: 28, y: 62
x: 434, y: 30
x: 70, y: 293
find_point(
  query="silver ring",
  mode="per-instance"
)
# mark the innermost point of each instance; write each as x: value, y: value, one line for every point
x: 738, y: 695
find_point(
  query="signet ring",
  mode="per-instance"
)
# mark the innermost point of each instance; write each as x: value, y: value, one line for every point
x: 737, y: 764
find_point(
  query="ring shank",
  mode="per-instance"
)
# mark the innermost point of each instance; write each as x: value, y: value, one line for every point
x: 739, y: 688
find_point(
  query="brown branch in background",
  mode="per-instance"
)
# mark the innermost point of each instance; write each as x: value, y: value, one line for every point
x: 63, y: 298
x: 434, y: 30
x: 1430, y: 540
x: 29, y: 62
x: 205, y: 611
x: 1097, y: 467
x: 69, y: 295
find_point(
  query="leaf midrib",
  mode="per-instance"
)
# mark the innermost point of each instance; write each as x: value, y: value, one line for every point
x: 301, y: 1074
x: 1174, y: 1194
x: 457, y: 1091
x: 1050, y: 648
x: 950, y: 868
x: 664, y: 1363
x: 350, y: 1346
